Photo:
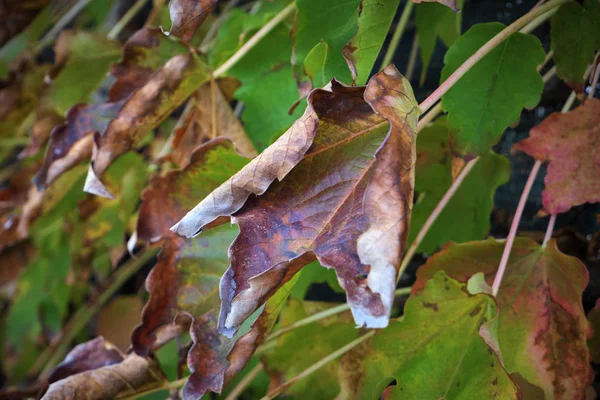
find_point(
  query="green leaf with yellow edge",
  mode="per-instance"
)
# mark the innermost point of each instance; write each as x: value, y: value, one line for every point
x: 542, y: 328
x: 491, y: 95
x: 473, y: 201
x: 435, y: 21
x: 443, y: 348
x: 83, y: 60
x: 374, y: 21
x: 575, y: 36
x: 334, y: 23
x: 294, y: 353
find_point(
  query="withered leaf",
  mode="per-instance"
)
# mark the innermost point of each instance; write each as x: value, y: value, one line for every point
x: 166, y: 199
x: 542, y: 329
x: 448, y: 3
x: 566, y: 141
x: 143, y: 111
x: 132, y: 375
x: 347, y: 201
x: 188, y: 15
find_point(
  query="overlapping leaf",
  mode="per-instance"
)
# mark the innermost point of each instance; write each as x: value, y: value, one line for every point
x: 473, y: 200
x: 374, y: 21
x: 188, y: 15
x: 542, y: 329
x: 433, y: 21
x: 447, y: 332
x: 575, y: 36
x: 482, y: 104
x: 346, y: 201
x: 327, y: 335
x: 565, y: 141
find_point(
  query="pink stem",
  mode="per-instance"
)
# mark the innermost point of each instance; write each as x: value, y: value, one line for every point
x: 549, y: 230
x: 514, y: 226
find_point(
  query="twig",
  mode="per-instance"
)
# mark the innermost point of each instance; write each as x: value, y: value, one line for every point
x: 594, y: 81
x: 412, y: 58
x: 486, y: 48
x: 257, y: 37
x: 549, y: 230
x: 165, y: 386
x: 514, y: 226
x: 434, y: 214
x: 548, y: 75
x: 395, y: 41
x: 549, y: 56
x: 125, y: 19
x: 425, y: 120
x: 84, y: 314
x: 324, y: 314
x: 239, y: 388
x: 322, y: 362
x: 60, y: 24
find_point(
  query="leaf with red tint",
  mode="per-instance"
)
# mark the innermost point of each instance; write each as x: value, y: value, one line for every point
x: 594, y: 342
x: 188, y: 15
x: 347, y: 201
x: 448, y: 3
x: 565, y: 140
x: 143, y: 53
x: 71, y: 142
x: 147, y: 107
x: 14, y: 260
x: 87, y: 356
x: 210, y: 116
x: 166, y: 199
x: 542, y: 329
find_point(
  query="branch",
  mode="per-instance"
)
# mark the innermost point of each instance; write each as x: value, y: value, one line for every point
x: 395, y: 41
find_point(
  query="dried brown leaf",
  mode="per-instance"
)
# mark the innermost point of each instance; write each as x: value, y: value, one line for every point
x: 188, y: 15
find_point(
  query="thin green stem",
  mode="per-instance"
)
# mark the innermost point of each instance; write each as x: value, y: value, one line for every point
x: 60, y: 24
x: 125, y: 19
x: 257, y: 37
x: 319, y: 364
x: 239, y: 388
x: 427, y: 118
x: 165, y: 386
x: 487, y: 48
x: 400, y: 28
x: 54, y: 356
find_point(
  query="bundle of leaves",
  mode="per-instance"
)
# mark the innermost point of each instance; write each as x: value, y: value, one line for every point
x: 259, y: 160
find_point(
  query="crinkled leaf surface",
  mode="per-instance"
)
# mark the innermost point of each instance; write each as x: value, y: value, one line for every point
x: 542, y: 329
x: 433, y: 21
x: 444, y: 348
x: 143, y: 111
x: 347, y: 201
x: 188, y: 15
x: 575, y: 38
x: 326, y: 336
x: 334, y: 23
x: 567, y: 141
x: 374, y: 21
x: 490, y: 96
x: 83, y: 58
x: 473, y: 200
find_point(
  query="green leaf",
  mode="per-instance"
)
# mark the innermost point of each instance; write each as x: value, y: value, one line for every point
x: 473, y: 201
x: 314, y: 64
x: 490, y: 96
x: 374, y: 21
x: 334, y: 23
x: 315, y: 273
x: 84, y: 58
x: 542, y: 329
x: 294, y: 353
x: 433, y: 21
x: 444, y: 348
x: 574, y: 37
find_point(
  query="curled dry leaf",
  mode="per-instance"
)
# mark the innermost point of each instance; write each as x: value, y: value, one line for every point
x: 346, y: 201
x: 542, y: 328
x: 188, y: 15
x: 566, y: 141
x: 143, y: 111
x: 132, y: 375
x: 448, y: 3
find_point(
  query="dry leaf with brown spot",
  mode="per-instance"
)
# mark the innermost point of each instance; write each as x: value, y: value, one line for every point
x: 346, y: 201
x: 188, y: 15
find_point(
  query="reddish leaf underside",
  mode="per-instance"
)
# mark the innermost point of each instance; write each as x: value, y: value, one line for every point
x: 347, y: 201
x: 542, y: 328
x: 569, y: 142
